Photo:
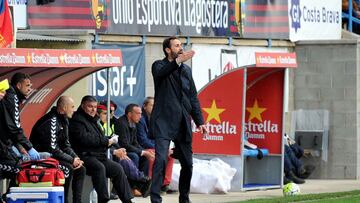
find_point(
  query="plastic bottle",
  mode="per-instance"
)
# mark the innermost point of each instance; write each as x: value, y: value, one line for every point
x: 93, y: 196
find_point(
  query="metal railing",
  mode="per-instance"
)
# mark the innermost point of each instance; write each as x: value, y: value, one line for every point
x: 350, y: 17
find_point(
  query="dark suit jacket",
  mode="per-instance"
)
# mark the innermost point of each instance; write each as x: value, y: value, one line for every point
x: 127, y: 135
x: 175, y: 101
x: 86, y: 135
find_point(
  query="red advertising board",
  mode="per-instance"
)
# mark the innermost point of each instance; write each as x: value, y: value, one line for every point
x: 264, y: 108
x: 59, y: 58
x: 276, y: 60
x: 223, y: 110
x: 221, y: 101
x: 52, y: 72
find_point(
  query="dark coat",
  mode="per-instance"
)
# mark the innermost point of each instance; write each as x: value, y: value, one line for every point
x: 50, y: 134
x: 127, y: 135
x: 86, y: 136
x: 142, y: 135
x: 175, y: 101
x: 11, y: 132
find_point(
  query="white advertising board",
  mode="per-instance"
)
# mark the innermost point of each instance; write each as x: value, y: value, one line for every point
x: 19, y: 13
x: 211, y: 61
x: 314, y: 19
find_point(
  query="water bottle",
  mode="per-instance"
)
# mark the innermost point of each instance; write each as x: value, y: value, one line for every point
x: 93, y: 196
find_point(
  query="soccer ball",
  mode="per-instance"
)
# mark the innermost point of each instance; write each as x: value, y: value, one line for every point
x: 291, y: 189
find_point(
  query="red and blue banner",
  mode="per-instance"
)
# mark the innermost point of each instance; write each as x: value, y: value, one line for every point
x: 141, y: 17
x: 69, y: 14
x: 265, y: 19
x: 241, y: 18
x: 6, y: 31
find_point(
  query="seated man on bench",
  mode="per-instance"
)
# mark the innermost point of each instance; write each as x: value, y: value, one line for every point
x: 294, y: 169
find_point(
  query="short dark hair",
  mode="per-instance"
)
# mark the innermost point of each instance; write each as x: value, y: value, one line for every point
x: 129, y: 108
x: 167, y: 43
x: 88, y: 98
x: 18, y: 77
x: 147, y: 100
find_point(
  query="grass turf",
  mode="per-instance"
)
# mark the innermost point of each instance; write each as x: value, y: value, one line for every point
x: 338, y: 197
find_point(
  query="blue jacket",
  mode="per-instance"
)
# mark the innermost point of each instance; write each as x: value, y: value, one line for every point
x: 143, y: 133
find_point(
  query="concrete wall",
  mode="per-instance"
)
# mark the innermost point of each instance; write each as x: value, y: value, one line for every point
x: 327, y: 78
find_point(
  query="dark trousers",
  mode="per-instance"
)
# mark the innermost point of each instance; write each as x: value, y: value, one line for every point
x: 298, y: 151
x: 9, y: 167
x: 77, y: 176
x: 140, y: 162
x: 186, y: 162
x: 131, y: 171
x: 101, y: 168
x: 291, y: 162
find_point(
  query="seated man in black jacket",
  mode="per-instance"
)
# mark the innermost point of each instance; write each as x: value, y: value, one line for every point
x: 50, y: 134
x: 90, y: 143
x: 12, y: 135
x: 125, y: 127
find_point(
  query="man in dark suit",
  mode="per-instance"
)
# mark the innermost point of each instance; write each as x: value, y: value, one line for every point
x: 125, y: 127
x: 90, y: 143
x: 176, y: 103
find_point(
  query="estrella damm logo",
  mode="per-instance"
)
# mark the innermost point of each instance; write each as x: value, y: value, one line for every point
x: 217, y: 128
x: 255, y: 126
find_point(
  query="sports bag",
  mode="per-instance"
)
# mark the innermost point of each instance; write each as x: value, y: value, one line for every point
x: 40, y: 173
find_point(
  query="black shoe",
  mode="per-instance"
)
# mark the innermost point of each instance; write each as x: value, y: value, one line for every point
x: 291, y: 176
x: 302, y: 170
x: 164, y: 188
x: 113, y: 196
x: 3, y: 198
x: 145, y: 188
x: 308, y: 169
x: 184, y: 201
